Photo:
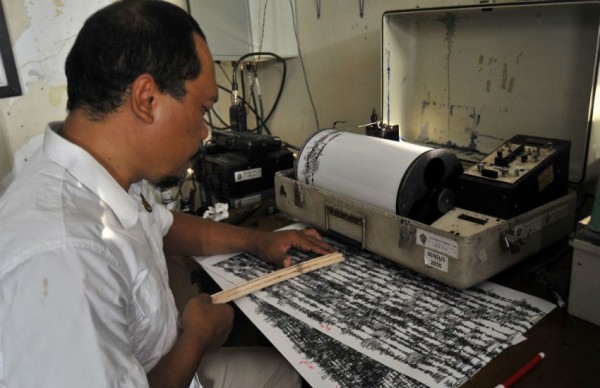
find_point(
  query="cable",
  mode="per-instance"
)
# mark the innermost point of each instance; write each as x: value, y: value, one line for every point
x: 210, y: 123
x: 258, y: 114
x: 213, y: 111
x: 255, y: 91
x: 262, y: 31
x: 239, y: 100
x: 303, y: 68
x: 224, y: 72
x: 291, y: 146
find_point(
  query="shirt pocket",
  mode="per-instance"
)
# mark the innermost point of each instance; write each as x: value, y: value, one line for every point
x: 146, y: 298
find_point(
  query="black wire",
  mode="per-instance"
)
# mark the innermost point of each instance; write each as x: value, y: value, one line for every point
x: 257, y: 116
x: 282, y: 84
x: 224, y: 72
x: 279, y: 92
x: 248, y: 105
x: 243, y: 83
x: 210, y: 123
x: 260, y: 107
x: 290, y: 146
x: 262, y: 110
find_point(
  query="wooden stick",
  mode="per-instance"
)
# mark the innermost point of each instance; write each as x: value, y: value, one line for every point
x: 275, y: 277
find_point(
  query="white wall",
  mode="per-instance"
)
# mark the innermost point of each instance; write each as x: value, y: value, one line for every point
x: 340, y: 50
x: 341, y: 53
x: 342, y: 57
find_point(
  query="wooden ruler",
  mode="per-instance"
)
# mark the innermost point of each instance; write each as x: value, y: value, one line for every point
x: 275, y: 277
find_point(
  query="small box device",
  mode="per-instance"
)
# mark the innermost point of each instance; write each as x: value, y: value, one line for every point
x: 239, y: 168
x: 248, y: 142
x: 522, y: 174
x: 585, y: 272
x: 233, y: 174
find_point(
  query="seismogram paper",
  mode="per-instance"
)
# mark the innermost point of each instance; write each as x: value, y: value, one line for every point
x: 370, y: 319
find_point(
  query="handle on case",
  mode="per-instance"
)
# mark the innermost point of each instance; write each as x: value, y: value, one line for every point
x: 359, y: 220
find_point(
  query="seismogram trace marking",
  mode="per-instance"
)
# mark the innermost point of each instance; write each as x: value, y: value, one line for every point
x: 428, y: 331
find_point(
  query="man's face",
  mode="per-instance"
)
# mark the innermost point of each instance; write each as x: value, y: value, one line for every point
x: 183, y: 121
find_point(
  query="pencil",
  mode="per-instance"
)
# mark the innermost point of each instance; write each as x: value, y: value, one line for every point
x: 522, y: 371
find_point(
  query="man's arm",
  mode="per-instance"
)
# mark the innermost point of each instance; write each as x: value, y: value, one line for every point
x: 194, y: 236
x: 206, y: 325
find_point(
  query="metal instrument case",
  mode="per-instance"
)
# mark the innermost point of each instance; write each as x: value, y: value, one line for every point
x: 468, y: 77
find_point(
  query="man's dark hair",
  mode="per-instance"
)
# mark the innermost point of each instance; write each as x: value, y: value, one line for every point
x: 124, y: 40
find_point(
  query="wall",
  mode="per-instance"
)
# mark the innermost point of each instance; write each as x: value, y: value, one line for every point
x: 342, y: 58
x: 340, y: 50
x: 341, y: 54
x: 340, y: 47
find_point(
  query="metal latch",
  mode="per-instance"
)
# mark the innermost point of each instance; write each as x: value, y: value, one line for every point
x: 406, y: 234
x: 511, y: 240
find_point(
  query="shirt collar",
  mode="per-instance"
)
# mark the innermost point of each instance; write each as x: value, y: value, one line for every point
x: 83, y: 167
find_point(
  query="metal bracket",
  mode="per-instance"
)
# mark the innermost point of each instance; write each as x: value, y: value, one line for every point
x: 298, y: 195
x: 407, y: 233
x: 511, y: 241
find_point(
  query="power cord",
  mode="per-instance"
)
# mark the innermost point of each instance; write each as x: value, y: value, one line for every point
x: 238, y: 104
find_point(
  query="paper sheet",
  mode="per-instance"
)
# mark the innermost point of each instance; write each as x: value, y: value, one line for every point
x: 420, y: 328
x: 322, y: 361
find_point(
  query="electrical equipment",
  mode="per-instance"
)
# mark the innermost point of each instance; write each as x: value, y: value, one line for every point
x: 400, y: 177
x: 237, y: 168
x: 522, y: 174
x: 585, y: 272
x: 237, y: 117
x: 472, y: 79
x: 384, y: 131
x: 248, y: 142
x: 377, y: 128
x: 461, y: 247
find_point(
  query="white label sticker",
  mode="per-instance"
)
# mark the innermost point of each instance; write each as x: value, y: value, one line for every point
x: 437, y: 243
x: 436, y: 260
x: 246, y: 175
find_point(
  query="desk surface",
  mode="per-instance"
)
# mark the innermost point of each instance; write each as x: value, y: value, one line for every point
x: 571, y: 345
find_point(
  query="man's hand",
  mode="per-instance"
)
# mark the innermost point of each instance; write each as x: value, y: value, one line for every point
x: 273, y: 247
x: 206, y: 326
x: 212, y: 323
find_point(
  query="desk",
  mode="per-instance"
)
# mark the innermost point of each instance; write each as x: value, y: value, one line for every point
x: 572, y: 346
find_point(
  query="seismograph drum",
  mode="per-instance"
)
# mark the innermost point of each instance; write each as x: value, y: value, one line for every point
x: 404, y: 178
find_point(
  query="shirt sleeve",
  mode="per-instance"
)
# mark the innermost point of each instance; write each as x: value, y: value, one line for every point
x: 65, y: 324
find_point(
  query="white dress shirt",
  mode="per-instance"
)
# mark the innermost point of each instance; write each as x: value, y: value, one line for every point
x: 84, y: 294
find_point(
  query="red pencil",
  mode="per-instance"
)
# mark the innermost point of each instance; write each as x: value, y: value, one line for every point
x: 522, y: 371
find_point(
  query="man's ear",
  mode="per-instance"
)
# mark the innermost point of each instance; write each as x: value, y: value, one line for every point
x: 143, y: 97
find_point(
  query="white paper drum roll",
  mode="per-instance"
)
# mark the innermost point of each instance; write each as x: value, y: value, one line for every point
x: 400, y: 177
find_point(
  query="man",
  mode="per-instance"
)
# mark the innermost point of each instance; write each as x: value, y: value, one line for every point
x: 84, y: 298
